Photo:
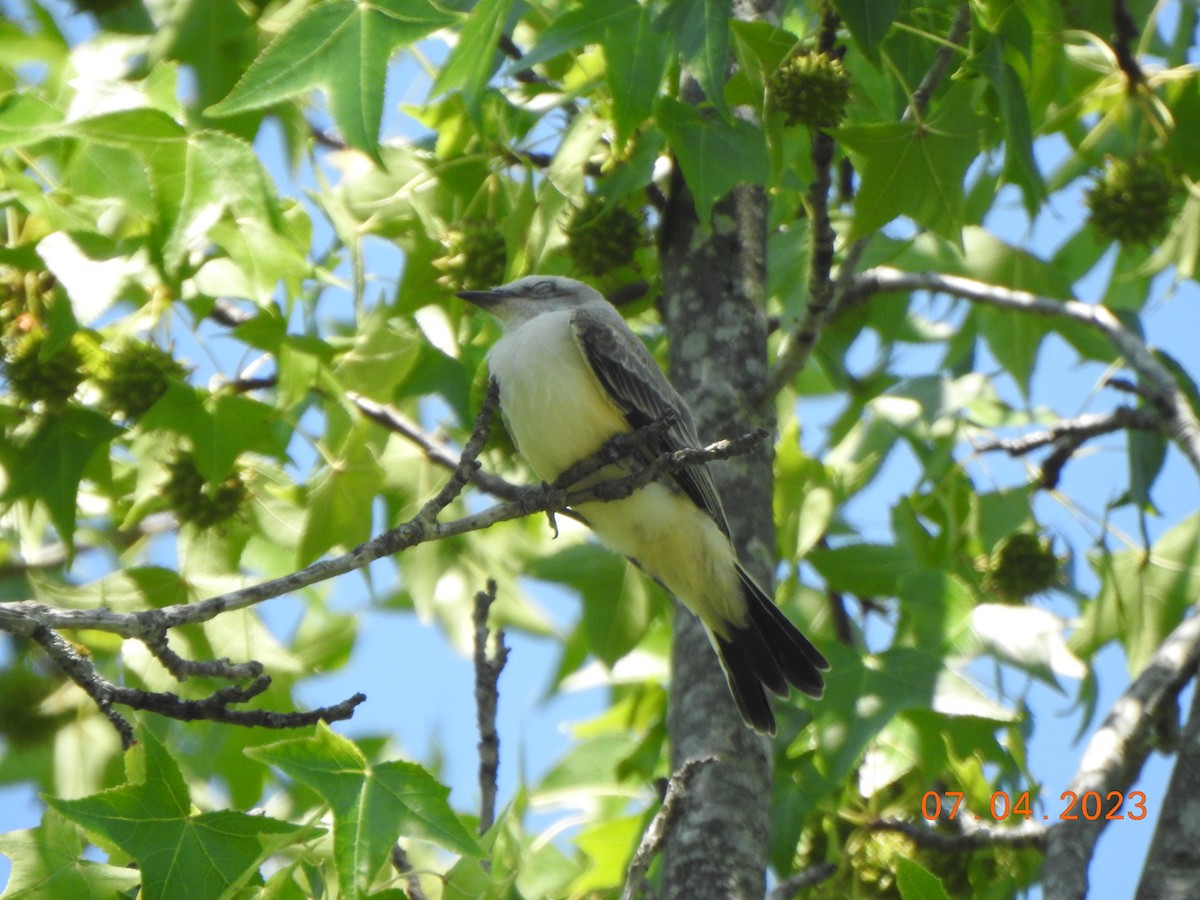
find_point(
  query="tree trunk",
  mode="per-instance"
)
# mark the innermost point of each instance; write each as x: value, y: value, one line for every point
x: 1172, y: 867
x: 713, y: 284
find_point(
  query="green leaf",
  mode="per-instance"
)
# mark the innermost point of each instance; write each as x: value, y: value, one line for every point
x: 196, y: 177
x: 344, y: 47
x: 372, y: 804
x: 1147, y: 453
x: 50, y: 464
x: 471, y: 62
x: 180, y: 854
x: 587, y: 23
x: 218, y: 40
x: 1030, y: 638
x: 866, y: 570
x: 220, y: 426
x: 915, y: 882
x: 46, y: 863
x: 701, y: 32
x: 26, y: 119
x: 384, y: 354
x: 601, y: 577
x: 1020, y: 167
x: 915, y: 169
x: 868, y: 21
x: 339, y: 505
x: 127, y: 590
x: 1143, y: 594
x: 714, y: 154
x: 874, y: 689
x: 1014, y: 338
x: 636, y: 58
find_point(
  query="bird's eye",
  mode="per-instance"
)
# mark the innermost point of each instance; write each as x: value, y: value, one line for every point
x: 543, y: 289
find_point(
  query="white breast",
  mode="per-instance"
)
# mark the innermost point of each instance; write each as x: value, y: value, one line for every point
x: 554, y: 407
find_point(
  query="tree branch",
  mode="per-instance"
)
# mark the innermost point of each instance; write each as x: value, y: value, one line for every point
x: 488, y: 667
x: 941, y: 64
x: 825, y: 296
x: 1068, y: 436
x: 42, y: 622
x: 438, y: 452
x: 1158, y: 386
x: 1115, y: 754
x: 973, y: 835
x: 802, y: 881
x: 1124, y: 36
x: 660, y: 826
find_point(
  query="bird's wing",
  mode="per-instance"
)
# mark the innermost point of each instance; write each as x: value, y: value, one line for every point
x: 641, y: 391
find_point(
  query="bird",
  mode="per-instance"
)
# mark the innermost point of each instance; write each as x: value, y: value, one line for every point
x: 572, y: 375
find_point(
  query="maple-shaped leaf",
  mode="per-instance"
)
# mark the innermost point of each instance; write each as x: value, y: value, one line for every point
x: 915, y: 169
x: 221, y: 426
x: 181, y: 854
x: 50, y: 464
x: 372, y: 803
x: 343, y: 47
x: 46, y: 863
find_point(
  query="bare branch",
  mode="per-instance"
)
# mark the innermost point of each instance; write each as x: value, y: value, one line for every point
x: 941, y: 64
x: 802, y: 881
x: 660, y: 826
x: 821, y: 294
x: 41, y: 622
x: 401, y: 864
x: 973, y: 836
x: 438, y: 452
x: 488, y: 667
x: 1068, y: 436
x: 1115, y: 754
x: 1124, y: 37
x: 1157, y: 384
x: 825, y: 296
x: 1088, y: 426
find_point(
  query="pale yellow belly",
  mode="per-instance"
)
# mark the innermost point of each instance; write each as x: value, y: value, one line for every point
x: 558, y: 414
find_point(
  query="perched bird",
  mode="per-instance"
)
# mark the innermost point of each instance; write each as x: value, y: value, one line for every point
x: 572, y: 376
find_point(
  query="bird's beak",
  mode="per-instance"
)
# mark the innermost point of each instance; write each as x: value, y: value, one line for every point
x: 482, y: 299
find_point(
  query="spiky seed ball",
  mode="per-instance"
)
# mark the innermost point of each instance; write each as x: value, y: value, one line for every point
x: 198, y: 502
x: 600, y: 240
x: 811, y: 89
x: 1023, y: 565
x: 33, y: 374
x: 138, y: 375
x: 476, y: 257
x: 1133, y: 201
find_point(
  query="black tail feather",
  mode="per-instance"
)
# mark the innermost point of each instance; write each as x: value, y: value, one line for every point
x: 768, y: 653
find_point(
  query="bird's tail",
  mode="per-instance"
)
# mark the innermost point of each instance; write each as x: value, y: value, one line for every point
x: 768, y: 653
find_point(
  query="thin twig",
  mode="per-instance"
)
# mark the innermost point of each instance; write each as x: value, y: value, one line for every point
x: 1068, y: 436
x: 488, y: 667
x: 660, y: 826
x: 941, y: 64
x: 437, y: 452
x: 802, y: 881
x: 825, y: 296
x: 1124, y: 37
x: 401, y: 864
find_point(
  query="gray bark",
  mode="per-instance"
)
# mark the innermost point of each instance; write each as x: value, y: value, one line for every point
x: 713, y: 283
x: 1172, y: 867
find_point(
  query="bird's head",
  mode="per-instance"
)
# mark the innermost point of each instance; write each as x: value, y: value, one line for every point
x: 523, y: 299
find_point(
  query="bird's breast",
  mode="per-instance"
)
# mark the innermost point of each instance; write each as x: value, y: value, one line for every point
x: 553, y: 405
